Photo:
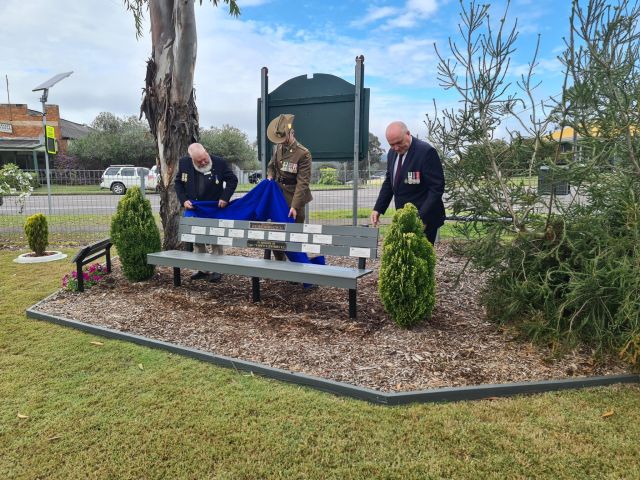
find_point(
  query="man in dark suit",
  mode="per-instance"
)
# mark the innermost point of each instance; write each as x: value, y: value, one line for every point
x: 204, y: 177
x: 414, y: 175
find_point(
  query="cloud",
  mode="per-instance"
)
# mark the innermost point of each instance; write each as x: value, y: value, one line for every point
x: 414, y: 11
x: 373, y: 14
x: 109, y: 63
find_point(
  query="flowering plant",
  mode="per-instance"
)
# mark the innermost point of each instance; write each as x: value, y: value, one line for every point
x: 90, y: 276
x: 13, y: 181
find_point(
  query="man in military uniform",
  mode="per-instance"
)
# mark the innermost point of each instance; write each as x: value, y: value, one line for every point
x: 204, y: 177
x: 290, y: 166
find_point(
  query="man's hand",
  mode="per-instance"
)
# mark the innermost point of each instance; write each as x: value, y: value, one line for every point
x: 375, y: 218
x: 222, y: 203
x: 269, y: 177
x: 188, y: 205
x: 293, y: 213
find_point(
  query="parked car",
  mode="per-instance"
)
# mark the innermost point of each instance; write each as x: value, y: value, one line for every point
x: 255, y: 177
x: 153, y: 178
x: 118, y: 178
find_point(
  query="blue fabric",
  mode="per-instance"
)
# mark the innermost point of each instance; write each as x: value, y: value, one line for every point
x: 263, y: 202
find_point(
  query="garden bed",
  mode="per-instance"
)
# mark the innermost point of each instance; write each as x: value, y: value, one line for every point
x: 309, y: 331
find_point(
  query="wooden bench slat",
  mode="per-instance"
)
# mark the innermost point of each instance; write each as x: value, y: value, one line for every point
x: 317, y: 249
x: 341, y: 277
x: 358, y: 231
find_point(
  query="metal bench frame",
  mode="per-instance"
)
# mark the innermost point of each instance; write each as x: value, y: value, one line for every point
x: 88, y: 254
x: 356, y: 242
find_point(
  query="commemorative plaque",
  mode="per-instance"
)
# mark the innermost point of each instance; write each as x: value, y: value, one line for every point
x: 267, y: 226
x: 267, y: 244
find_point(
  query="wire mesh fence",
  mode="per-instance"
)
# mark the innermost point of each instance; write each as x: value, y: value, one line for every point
x: 81, y: 204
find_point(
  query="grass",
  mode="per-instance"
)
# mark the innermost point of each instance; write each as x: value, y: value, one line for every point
x: 71, y: 190
x: 118, y: 410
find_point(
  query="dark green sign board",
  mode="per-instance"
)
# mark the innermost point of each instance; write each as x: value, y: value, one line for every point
x: 324, y: 106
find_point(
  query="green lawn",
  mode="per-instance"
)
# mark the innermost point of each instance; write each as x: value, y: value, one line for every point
x: 74, y: 409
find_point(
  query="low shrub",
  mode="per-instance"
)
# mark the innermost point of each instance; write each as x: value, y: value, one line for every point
x: 328, y: 176
x: 37, y: 233
x: 135, y: 234
x: 407, y: 273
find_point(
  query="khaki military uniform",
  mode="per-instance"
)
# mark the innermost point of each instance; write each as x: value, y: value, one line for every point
x: 290, y: 166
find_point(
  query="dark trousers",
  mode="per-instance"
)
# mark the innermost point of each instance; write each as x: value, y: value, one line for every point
x: 431, y: 233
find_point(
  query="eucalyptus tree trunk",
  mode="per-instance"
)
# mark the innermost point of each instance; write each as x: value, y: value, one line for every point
x: 169, y: 98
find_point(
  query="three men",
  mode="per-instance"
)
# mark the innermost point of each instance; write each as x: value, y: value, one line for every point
x: 414, y: 175
x: 201, y: 176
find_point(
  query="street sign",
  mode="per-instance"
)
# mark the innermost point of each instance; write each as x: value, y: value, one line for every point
x: 52, y: 143
x: 324, y: 109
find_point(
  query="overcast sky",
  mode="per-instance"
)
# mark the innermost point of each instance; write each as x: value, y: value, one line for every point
x: 96, y: 39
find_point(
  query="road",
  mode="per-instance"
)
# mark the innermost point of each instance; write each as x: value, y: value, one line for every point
x: 106, y: 204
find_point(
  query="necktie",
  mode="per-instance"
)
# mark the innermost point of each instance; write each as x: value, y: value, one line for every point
x: 396, y: 180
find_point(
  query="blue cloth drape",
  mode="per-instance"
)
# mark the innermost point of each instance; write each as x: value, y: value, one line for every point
x: 263, y: 202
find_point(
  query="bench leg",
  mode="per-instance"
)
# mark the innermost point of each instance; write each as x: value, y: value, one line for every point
x: 352, y: 303
x: 79, y: 276
x: 255, y: 281
x: 176, y: 276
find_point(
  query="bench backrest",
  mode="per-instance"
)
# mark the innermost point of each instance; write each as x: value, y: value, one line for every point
x: 347, y: 241
x: 91, y: 252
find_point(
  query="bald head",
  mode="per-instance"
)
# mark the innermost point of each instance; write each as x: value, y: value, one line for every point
x: 399, y: 137
x: 199, y: 157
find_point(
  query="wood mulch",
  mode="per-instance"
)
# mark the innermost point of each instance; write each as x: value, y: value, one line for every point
x: 310, y: 330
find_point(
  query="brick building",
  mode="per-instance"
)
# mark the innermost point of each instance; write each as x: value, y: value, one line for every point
x: 21, y: 134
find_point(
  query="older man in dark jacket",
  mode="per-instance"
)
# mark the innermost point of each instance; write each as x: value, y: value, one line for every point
x: 414, y: 175
x: 204, y: 177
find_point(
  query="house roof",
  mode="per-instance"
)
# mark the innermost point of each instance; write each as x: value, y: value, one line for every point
x: 70, y: 130
x: 20, y: 144
x: 566, y: 134
x: 73, y: 130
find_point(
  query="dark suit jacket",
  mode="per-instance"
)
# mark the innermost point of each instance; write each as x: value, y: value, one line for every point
x: 421, y: 183
x: 186, y: 181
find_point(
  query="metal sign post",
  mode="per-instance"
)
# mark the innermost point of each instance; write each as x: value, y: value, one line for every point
x: 43, y: 99
x: 356, y: 134
x: 264, y: 92
x: 45, y: 94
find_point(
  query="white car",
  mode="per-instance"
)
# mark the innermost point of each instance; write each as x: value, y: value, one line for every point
x: 153, y: 178
x: 118, y: 178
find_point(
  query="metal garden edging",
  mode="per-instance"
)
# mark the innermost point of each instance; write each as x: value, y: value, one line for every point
x: 448, y: 394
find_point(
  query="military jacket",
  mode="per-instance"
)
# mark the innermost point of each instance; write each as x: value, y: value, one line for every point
x: 290, y: 166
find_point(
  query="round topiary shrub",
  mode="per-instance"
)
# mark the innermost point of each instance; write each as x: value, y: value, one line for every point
x: 134, y: 233
x: 407, y: 283
x: 37, y: 233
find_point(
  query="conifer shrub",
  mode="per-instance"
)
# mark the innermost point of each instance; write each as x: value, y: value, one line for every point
x: 37, y: 232
x: 134, y: 233
x: 407, y: 283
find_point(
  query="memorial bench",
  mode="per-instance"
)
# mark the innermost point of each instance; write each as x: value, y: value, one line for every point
x: 348, y: 241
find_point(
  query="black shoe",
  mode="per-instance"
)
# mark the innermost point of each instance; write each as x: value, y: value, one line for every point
x: 199, y: 276
x: 214, y: 277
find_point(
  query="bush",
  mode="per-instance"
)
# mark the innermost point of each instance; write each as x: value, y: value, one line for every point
x: 407, y: 282
x: 37, y: 233
x: 134, y: 233
x: 328, y: 176
x: 13, y: 181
